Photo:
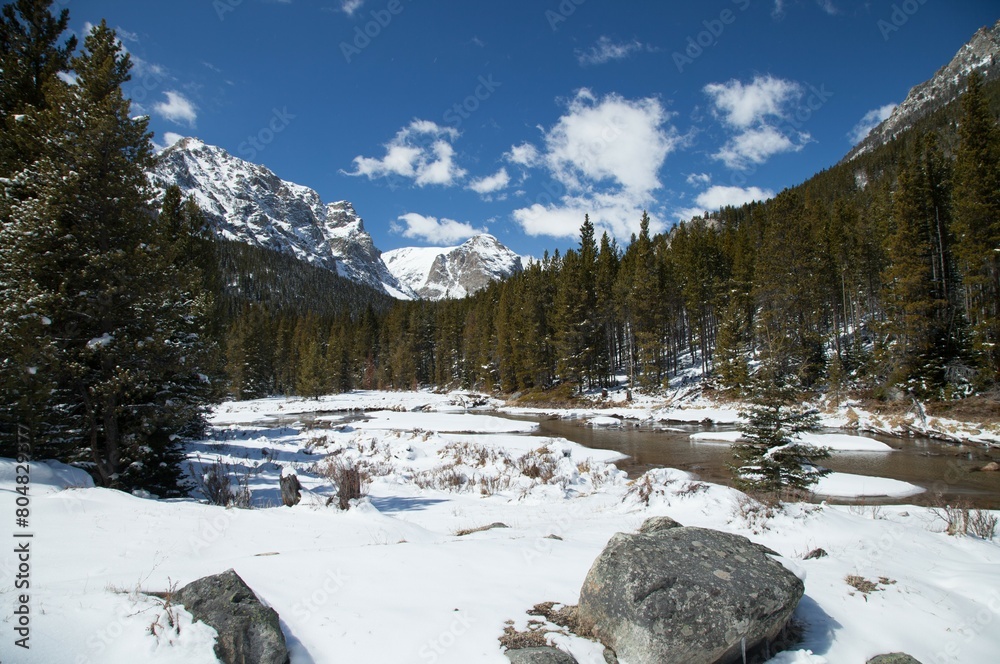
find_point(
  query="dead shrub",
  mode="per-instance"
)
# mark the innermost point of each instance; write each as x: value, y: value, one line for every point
x: 346, y: 478
x: 756, y: 511
x: 982, y: 523
x: 216, y: 483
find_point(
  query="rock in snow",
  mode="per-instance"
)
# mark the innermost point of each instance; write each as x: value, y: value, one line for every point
x: 686, y: 595
x: 539, y: 656
x: 248, y: 630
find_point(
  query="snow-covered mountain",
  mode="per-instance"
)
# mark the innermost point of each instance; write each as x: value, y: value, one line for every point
x: 981, y: 53
x: 438, y: 273
x: 248, y: 203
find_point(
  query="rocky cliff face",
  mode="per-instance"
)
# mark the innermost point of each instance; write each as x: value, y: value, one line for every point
x: 436, y: 273
x: 248, y: 203
x: 981, y: 53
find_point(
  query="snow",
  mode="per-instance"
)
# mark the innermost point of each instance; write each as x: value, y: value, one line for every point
x: 847, y: 485
x: 100, y: 342
x: 444, y: 423
x: 839, y: 442
x: 717, y: 437
x: 604, y: 421
x: 835, y: 442
x: 391, y: 580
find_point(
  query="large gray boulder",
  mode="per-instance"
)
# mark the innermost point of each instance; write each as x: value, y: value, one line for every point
x: 686, y: 595
x: 543, y: 655
x: 893, y: 658
x: 249, y: 632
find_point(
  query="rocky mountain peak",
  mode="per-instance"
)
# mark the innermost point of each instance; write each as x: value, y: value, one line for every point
x: 981, y: 53
x: 248, y: 203
x: 438, y: 273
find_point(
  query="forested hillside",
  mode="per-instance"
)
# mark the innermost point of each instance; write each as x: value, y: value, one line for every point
x: 880, y: 273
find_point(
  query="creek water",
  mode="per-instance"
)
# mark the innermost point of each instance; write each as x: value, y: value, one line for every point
x: 948, y: 472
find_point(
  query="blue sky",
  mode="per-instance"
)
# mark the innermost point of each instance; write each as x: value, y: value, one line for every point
x: 442, y: 119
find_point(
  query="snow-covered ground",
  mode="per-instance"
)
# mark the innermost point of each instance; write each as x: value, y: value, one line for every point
x: 397, y: 578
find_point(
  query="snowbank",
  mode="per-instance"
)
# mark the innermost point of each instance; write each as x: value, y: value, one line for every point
x: 401, y: 577
x: 835, y: 442
x: 847, y: 485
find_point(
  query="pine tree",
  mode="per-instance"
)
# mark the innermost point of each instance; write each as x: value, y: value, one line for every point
x: 977, y: 224
x: 31, y: 58
x: 769, y: 459
x: 923, y: 317
x: 116, y: 326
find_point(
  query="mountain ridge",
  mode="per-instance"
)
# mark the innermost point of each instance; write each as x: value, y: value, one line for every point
x: 981, y: 53
x: 249, y: 203
x: 437, y: 273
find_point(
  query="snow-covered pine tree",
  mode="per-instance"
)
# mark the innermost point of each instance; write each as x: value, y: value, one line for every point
x: 769, y: 459
x: 88, y: 280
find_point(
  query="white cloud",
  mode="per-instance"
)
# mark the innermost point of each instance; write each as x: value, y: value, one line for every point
x: 761, y: 114
x: 524, y: 154
x: 755, y: 146
x: 431, y: 229
x: 169, y: 138
x: 177, y: 109
x: 870, y: 120
x: 720, y: 196
x: 606, y: 50
x: 421, y: 151
x: 605, y: 156
x: 491, y: 183
x: 351, y: 6
x: 611, y: 212
x: 698, y: 179
x: 613, y: 140
x: 126, y: 35
x: 744, y: 105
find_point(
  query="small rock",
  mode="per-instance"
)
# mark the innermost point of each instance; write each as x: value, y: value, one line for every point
x: 248, y: 630
x: 893, y: 658
x: 610, y: 657
x: 553, y: 537
x: 540, y: 656
x: 657, y: 524
x: 991, y: 467
x: 815, y: 553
